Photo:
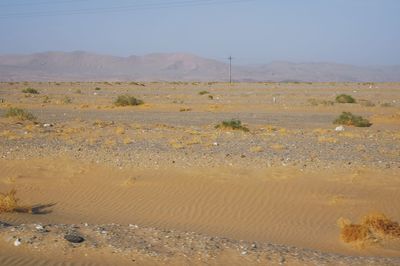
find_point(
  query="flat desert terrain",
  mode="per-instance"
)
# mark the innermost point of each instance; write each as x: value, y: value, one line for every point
x: 84, y: 181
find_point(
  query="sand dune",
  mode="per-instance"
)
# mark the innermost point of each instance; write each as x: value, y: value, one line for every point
x: 284, y: 206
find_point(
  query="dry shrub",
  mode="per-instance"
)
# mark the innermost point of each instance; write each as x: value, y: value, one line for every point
x: 344, y: 98
x: 373, y: 228
x: 30, y: 90
x: 127, y: 100
x: 19, y: 114
x: 348, y: 119
x: 8, y: 201
x: 381, y: 224
x: 354, y: 232
x: 234, y: 124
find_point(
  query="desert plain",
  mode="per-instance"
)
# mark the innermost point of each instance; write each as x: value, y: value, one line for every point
x: 161, y: 183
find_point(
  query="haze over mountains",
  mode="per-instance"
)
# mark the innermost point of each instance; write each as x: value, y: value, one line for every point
x: 84, y: 66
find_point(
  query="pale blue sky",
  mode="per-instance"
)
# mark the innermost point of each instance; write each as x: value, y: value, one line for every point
x: 361, y: 32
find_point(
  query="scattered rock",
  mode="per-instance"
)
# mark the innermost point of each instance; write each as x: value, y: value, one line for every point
x: 39, y: 227
x: 122, y: 240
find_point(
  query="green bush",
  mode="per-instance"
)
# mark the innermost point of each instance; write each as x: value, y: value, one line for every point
x: 344, y: 98
x: 30, y: 90
x: 126, y: 100
x: 232, y: 124
x: 203, y: 92
x: 348, y: 119
x: 20, y: 114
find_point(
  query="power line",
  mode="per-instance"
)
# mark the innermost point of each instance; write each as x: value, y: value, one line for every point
x: 127, y: 8
x: 16, y: 4
x: 113, y: 8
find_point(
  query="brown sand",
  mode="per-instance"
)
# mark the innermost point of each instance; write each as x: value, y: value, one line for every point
x: 288, y: 181
x: 281, y: 205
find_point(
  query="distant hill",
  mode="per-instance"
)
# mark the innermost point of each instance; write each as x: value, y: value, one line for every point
x: 84, y: 66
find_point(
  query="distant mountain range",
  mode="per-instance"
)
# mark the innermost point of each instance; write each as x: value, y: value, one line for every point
x: 84, y: 66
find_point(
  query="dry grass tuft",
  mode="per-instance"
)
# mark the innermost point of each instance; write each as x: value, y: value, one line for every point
x: 277, y: 147
x: 373, y: 228
x: 8, y: 201
x: 256, y: 149
x: 120, y: 130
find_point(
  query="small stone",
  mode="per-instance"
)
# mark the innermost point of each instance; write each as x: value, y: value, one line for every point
x: 39, y: 227
x: 74, y: 238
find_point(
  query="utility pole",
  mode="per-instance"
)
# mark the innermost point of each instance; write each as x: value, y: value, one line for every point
x: 230, y: 68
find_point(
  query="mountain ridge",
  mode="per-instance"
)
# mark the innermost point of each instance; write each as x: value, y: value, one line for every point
x: 86, y: 66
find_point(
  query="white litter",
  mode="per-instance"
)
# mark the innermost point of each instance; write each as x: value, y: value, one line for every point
x: 339, y: 128
x: 17, y: 242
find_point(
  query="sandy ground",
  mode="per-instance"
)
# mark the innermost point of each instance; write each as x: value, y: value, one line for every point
x: 272, y: 195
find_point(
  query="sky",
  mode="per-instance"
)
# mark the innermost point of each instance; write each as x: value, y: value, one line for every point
x: 358, y: 32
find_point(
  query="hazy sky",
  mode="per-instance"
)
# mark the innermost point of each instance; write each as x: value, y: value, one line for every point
x: 363, y: 32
